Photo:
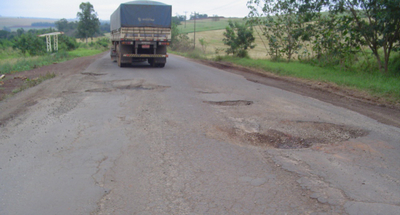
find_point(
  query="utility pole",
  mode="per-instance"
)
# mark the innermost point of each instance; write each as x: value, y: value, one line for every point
x: 185, y: 18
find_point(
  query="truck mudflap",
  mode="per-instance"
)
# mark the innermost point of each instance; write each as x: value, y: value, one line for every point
x: 145, y: 55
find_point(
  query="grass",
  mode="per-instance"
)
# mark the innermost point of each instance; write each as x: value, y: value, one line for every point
x: 387, y: 86
x: 82, y: 52
x: 12, y: 65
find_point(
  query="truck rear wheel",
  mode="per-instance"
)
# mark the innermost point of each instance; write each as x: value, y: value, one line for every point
x: 161, y: 65
x: 119, y: 57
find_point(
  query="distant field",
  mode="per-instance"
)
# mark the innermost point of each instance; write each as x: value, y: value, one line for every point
x: 212, y: 33
x: 214, y: 40
x: 21, y: 22
x: 206, y: 25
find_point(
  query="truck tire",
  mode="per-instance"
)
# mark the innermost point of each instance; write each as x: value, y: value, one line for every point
x: 151, y: 62
x: 119, y: 57
x: 161, y: 65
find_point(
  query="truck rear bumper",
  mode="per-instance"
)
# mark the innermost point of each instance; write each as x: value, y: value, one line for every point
x: 145, y: 55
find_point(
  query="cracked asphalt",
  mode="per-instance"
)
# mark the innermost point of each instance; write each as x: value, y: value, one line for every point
x: 189, y: 139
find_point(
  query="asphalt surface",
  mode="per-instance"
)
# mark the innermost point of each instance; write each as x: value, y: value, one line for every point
x: 190, y: 139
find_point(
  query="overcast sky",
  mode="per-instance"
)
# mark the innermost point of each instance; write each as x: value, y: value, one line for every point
x: 68, y: 8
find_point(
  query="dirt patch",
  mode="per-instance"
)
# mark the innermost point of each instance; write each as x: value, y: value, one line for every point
x: 16, y: 80
x: 295, y: 134
x: 99, y: 90
x: 230, y: 103
x: 11, y: 109
x: 374, y: 107
x: 92, y: 74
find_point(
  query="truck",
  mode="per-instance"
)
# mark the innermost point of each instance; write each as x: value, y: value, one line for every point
x: 140, y: 31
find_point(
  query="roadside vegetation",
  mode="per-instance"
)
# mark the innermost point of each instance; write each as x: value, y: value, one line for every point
x: 354, y: 44
x: 24, y: 50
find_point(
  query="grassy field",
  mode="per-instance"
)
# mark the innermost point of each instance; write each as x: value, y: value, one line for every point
x: 206, y: 25
x: 214, y: 41
x: 15, y: 21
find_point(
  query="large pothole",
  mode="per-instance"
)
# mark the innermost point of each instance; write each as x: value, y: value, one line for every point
x: 292, y: 134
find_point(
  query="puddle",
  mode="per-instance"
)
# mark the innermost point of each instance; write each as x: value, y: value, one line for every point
x: 230, y: 103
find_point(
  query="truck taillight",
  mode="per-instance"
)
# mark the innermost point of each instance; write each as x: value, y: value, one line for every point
x: 163, y: 43
x: 127, y: 42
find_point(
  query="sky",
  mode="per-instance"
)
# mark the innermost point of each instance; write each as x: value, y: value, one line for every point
x: 58, y: 9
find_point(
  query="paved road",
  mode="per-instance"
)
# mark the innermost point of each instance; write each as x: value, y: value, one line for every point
x: 190, y: 139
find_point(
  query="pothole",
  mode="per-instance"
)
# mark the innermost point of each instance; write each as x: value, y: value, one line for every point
x: 99, y: 90
x: 92, y: 74
x: 206, y: 92
x: 136, y: 85
x: 295, y: 134
x: 278, y: 139
x: 230, y: 103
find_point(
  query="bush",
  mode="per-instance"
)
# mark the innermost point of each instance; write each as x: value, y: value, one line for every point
x: 182, y: 43
x: 67, y: 43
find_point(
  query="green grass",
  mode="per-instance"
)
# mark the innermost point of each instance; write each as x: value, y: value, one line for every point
x: 27, y: 63
x: 82, y: 52
x: 19, y: 64
x: 387, y: 86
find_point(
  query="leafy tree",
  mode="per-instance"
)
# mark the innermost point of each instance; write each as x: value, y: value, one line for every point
x: 377, y: 21
x: 239, y: 38
x: 180, y: 42
x: 105, y: 27
x: 88, y: 23
x: 178, y: 19
x: 174, y: 34
x: 282, y: 22
x: 4, y: 34
x: 30, y: 43
x: 20, y: 31
x: 203, y: 44
x: 62, y: 25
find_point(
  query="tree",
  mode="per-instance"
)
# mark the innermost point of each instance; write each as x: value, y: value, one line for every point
x: 239, y: 38
x: 377, y: 21
x: 62, y: 25
x: 30, y: 43
x: 88, y: 23
x: 282, y: 22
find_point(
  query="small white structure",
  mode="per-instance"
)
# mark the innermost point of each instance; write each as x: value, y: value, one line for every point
x: 48, y: 40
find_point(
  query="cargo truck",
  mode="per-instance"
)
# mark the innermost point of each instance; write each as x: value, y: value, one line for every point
x: 141, y: 31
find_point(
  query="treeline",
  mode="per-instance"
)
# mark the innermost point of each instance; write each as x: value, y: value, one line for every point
x: 28, y: 42
x: 71, y: 28
x: 348, y: 31
x: 43, y: 24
